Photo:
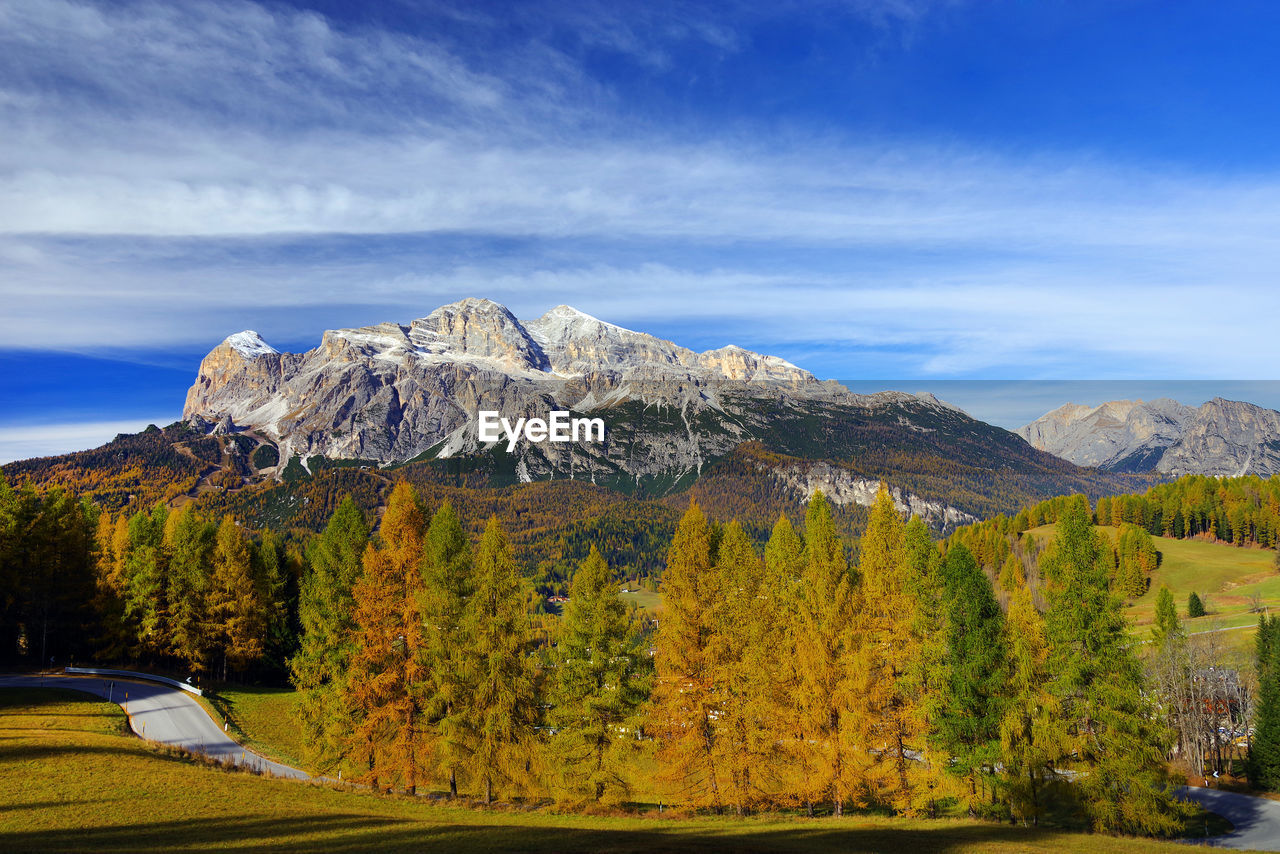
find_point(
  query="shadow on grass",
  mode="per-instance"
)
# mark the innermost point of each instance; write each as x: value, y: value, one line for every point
x: 355, y: 833
x: 32, y: 698
x: 26, y: 750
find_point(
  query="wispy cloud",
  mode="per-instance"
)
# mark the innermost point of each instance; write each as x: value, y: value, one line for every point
x: 173, y: 172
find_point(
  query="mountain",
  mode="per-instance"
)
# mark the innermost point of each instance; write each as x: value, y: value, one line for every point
x: 390, y: 393
x: 393, y: 394
x: 1220, y: 438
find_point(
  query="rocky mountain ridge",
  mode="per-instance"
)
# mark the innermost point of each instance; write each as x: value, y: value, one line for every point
x: 393, y: 392
x: 1220, y: 437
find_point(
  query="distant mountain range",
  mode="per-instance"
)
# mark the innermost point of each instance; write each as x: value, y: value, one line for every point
x: 748, y: 434
x: 393, y: 393
x: 1221, y: 437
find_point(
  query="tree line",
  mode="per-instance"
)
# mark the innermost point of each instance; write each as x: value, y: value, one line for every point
x: 788, y: 678
x: 793, y: 676
x: 419, y: 663
x: 162, y: 588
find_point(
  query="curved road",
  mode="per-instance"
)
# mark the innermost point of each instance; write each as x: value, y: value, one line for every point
x: 1256, y: 820
x: 164, y: 715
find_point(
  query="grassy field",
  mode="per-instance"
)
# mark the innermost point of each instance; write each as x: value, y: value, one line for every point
x: 264, y: 719
x: 1224, y: 576
x: 648, y: 599
x: 71, y: 780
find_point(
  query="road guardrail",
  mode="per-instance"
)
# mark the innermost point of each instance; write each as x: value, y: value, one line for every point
x: 129, y: 674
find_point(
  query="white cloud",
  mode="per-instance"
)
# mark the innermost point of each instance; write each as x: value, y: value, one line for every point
x: 155, y: 154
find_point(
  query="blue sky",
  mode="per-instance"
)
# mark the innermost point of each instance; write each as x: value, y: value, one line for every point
x: 922, y: 191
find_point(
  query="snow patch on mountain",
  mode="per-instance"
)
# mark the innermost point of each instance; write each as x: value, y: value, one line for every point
x: 250, y: 345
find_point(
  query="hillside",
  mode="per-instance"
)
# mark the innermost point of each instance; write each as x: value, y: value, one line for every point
x: 1231, y: 580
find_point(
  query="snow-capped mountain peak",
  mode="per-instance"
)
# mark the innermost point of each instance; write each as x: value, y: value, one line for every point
x: 250, y: 344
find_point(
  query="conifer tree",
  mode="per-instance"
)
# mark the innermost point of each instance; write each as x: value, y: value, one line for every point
x: 783, y: 560
x: 1012, y: 575
x: 1195, y: 605
x: 784, y: 564
x: 503, y: 709
x: 385, y: 666
x: 927, y: 673
x: 1137, y: 559
x: 601, y: 678
x: 326, y: 608
x: 743, y: 672
x: 889, y: 710
x: 145, y: 580
x: 1033, y: 735
x: 115, y: 637
x: 276, y: 572
x: 1264, y: 748
x: 970, y: 708
x: 237, y: 619
x: 1167, y: 625
x: 189, y: 541
x: 446, y: 586
x: 1116, y: 734
x: 684, y: 699
x: 830, y: 760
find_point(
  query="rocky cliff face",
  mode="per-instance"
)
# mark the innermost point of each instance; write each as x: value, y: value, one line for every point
x: 392, y: 392
x: 841, y: 486
x: 1221, y: 438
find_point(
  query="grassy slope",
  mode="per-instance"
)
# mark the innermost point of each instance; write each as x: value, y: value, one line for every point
x: 1225, y: 576
x: 71, y: 780
x: 264, y: 719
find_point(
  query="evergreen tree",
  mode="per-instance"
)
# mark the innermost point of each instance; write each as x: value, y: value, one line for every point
x: 889, y: 709
x: 55, y: 556
x: 145, y: 581
x: 684, y: 699
x: 503, y: 709
x: 1012, y: 575
x: 1195, y: 605
x: 446, y: 586
x: 1033, y: 735
x: 189, y: 542
x: 385, y: 663
x: 601, y: 678
x: 830, y: 760
x: 1264, y: 748
x: 115, y: 636
x: 277, y: 571
x: 1167, y: 625
x: 927, y: 674
x: 967, y: 718
x: 237, y: 618
x: 1118, y: 739
x: 743, y: 672
x: 326, y: 609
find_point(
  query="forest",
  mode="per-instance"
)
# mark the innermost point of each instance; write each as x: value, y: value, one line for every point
x: 797, y: 667
x: 797, y: 676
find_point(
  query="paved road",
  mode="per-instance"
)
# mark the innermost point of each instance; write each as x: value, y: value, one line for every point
x: 1257, y: 820
x: 162, y: 714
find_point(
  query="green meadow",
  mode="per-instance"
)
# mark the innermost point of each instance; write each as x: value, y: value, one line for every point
x: 1230, y: 580
x: 72, y: 780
